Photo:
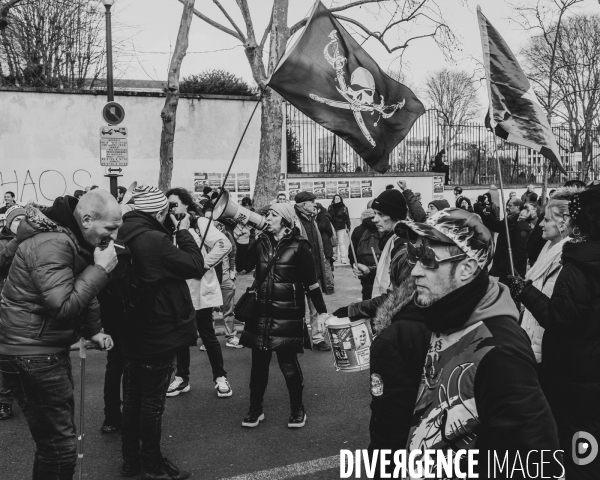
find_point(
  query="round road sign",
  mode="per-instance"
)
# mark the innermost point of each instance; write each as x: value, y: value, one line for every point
x: 113, y: 113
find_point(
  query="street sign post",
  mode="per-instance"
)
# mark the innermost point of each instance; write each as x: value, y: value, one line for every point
x: 113, y: 113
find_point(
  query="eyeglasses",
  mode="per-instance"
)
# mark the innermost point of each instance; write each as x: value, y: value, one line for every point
x: 427, y: 257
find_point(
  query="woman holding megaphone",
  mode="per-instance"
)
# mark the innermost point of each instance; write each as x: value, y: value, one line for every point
x: 285, y: 270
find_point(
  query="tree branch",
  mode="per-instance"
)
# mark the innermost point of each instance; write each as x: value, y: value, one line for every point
x: 243, y: 6
x: 228, y: 17
x: 268, y: 29
x: 216, y: 24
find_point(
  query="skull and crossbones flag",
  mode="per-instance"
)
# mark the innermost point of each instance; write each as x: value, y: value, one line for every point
x: 330, y: 78
x: 514, y: 114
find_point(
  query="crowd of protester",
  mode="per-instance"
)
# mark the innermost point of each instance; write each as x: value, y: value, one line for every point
x: 486, y: 328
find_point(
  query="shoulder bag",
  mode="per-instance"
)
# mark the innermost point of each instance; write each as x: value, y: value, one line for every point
x: 246, y: 308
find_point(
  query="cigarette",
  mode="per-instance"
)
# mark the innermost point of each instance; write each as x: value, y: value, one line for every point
x: 119, y: 246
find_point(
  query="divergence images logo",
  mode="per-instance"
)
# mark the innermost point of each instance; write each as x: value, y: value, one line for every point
x: 585, y: 448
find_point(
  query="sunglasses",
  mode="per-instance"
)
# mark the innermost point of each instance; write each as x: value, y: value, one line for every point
x: 427, y: 257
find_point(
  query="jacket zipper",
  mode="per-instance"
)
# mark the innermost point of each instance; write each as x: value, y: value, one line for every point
x: 43, y: 329
x: 294, y: 287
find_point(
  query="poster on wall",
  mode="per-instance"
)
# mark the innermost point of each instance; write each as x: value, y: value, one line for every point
x: 438, y: 187
x: 282, y: 182
x: 343, y: 188
x: 214, y: 180
x: 200, y: 181
x: 367, y: 188
x: 293, y: 189
x: 307, y: 186
x: 331, y: 188
x: 230, y: 183
x: 355, y: 189
x: 319, y: 190
x: 243, y: 182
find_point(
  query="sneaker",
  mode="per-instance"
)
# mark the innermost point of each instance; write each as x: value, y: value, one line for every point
x: 321, y: 346
x: 253, y: 418
x: 110, y: 426
x: 202, y: 348
x: 297, y: 417
x: 223, y: 387
x: 5, y: 411
x: 179, y: 385
x: 165, y: 470
x: 233, y: 342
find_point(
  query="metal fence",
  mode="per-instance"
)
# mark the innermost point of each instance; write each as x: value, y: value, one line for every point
x: 469, y: 152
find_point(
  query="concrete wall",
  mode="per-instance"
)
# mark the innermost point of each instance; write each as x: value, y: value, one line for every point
x: 49, y: 142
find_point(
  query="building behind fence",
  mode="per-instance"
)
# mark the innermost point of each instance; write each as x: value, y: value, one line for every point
x: 469, y: 152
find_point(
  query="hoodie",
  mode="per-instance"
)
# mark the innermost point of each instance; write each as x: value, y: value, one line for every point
x: 480, y: 390
x: 49, y: 298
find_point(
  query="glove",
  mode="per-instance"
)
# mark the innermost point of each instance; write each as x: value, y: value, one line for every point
x: 341, y: 312
x: 516, y: 286
x: 321, y: 319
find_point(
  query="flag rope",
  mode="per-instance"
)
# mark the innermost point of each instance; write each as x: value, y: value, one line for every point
x: 510, y: 258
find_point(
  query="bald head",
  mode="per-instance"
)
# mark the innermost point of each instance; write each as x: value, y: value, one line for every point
x: 99, y: 217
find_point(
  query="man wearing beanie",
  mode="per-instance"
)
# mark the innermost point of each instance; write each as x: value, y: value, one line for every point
x: 306, y: 213
x: 390, y: 207
x: 436, y: 205
x: 166, y: 321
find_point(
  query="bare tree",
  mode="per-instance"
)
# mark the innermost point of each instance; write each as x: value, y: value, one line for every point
x: 544, y: 18
x: 54, y: 43
x: 452, y: 93
x: 169, y: 111
x: 398, y: 16
x: 575, y: 78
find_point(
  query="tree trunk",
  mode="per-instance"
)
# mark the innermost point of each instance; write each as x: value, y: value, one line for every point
x: 169, y: 111
x: 269, y: 165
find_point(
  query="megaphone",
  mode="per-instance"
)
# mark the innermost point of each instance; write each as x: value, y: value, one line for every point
x: 129, y: 193
x: 227, y: 208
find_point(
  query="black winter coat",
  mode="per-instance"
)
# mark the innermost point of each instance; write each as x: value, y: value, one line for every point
x: 519, y: 233
x: 324, y: 222
x: 571, y: 347
x: 340, y: 218
x: 535, y: 242
x: 280, y: 320
x: 397, y: 358
x: 163, y: 269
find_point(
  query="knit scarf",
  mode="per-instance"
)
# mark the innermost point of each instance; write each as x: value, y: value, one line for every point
x: 547, y: 261
x: 452, y: 311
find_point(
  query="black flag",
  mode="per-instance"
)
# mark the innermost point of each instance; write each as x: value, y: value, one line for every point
x: 328, y: 76
x: 514, y: 112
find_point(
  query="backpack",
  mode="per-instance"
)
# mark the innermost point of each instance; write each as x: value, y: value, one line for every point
x: 126, y: 290
x: 368, y: 242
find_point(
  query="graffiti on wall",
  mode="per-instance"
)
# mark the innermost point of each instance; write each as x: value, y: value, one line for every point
x: 48, y: 185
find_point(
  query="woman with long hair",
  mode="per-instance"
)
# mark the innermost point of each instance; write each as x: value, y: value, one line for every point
x: 556, y: 228
x: 284, y: 259
x: 570, y: 373
x: 340, y: 219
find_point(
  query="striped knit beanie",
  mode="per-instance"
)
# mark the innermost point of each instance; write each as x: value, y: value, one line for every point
x: 149, y: 199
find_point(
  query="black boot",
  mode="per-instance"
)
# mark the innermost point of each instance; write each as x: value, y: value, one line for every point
x: 130, y: 468
x: 297, y: 417
x: 254, y: 416
x: 165, y: 470
x: 5, y: 411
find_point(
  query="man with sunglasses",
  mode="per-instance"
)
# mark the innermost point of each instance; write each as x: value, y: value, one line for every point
x: 479, y: 387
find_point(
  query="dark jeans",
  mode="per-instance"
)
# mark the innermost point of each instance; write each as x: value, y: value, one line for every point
x: 113, y: 379
x: 145, y: 395
x: 367, y: 290
x: 241, y: 257
x: 43, y: 387
x: 206, y: 329
x: 6, y: 395
x: 259, y: 375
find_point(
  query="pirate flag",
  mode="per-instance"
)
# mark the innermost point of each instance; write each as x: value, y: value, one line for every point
x: 329, y: 77
x: 514, y: 114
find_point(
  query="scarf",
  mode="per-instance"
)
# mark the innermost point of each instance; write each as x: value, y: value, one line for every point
x: 452, y: 311
x: 547, y: 261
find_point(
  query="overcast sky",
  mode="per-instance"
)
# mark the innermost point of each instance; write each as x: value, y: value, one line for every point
x: 148, y: 29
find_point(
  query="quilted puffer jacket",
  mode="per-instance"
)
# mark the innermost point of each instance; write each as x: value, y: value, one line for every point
x: 49, y: 298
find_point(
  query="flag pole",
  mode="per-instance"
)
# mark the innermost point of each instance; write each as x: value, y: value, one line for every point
x: 510, y: 258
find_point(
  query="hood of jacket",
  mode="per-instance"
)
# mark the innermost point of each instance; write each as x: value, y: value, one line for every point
x: 586, y: 255
x: 57, y: 218
x: 135, y: 218
x: 496, y: 302
x: 6, y: 234
x: 397, y: 298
